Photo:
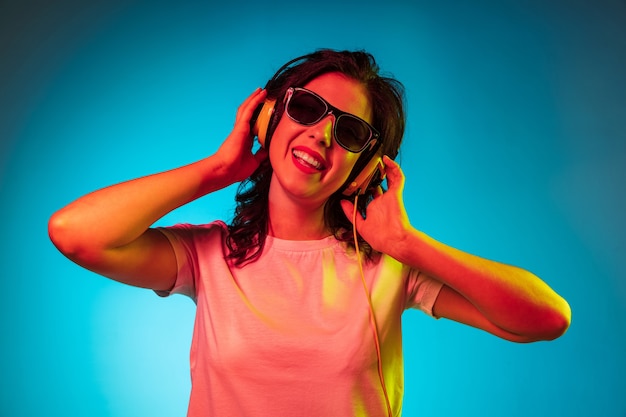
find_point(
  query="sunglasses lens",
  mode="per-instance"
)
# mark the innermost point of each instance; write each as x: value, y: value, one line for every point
x: 352, y: 133
x: 306, y: 108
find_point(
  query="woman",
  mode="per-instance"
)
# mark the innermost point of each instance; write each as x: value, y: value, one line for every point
x: 296, y: 314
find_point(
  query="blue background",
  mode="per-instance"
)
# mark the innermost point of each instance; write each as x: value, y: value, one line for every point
x: 515, y: 150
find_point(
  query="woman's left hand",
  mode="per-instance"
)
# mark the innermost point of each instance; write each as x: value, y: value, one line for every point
x: 386, y: 221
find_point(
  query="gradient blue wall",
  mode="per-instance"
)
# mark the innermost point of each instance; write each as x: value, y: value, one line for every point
x: 515, y: 150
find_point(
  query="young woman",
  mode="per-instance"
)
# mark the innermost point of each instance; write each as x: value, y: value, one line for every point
x: 297, y: 313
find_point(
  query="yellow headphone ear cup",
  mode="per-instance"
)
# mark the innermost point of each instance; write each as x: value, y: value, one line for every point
x: 259, y: 128
x: 362, y: 181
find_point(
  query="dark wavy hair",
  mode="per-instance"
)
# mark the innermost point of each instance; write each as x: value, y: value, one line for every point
x: 248, y: 229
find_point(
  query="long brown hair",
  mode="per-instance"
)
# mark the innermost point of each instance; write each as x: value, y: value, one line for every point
x: 248, y: 228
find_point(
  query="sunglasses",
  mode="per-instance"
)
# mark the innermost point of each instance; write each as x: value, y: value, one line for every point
x: 307, y: 108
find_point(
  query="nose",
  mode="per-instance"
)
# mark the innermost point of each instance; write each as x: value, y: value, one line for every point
x: 322, y: 131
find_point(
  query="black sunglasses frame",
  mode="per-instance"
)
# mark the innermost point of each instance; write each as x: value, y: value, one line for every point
x: 330, y: 109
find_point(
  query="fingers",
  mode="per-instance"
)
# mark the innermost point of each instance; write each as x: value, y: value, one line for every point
x: 239, y: 142
x: 348, y: 210
x: 395, y: 176
x: 246, y: 109
x: 241, y: 135
x: 255, y: 99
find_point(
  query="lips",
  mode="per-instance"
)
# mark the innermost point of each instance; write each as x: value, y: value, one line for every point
x: 309, y: 159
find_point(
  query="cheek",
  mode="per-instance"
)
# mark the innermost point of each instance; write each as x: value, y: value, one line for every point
x: 278, y: 143
x: 346, y: 164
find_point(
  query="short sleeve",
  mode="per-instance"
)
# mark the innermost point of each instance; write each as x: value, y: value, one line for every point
x: 188, y: 241
x: 422, y: 291
x: 182, y: 249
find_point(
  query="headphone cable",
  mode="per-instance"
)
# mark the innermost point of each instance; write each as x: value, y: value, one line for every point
x: 371, y: 308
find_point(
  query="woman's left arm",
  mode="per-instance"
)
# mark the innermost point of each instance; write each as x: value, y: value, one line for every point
x: 507, y: 301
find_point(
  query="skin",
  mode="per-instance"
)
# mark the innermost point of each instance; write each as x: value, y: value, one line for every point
x: 501, y: 299
x: 297, y: 187
x: 108, y: 231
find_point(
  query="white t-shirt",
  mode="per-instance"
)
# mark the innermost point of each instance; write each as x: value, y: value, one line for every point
x: 290, y: 334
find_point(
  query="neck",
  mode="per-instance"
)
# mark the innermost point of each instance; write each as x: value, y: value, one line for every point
x: 290, y: 224
x: 291, y: 218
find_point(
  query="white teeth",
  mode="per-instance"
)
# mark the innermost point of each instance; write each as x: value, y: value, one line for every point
x: 308, y: 159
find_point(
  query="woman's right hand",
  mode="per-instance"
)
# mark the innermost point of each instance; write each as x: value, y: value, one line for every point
x: 235, y: 155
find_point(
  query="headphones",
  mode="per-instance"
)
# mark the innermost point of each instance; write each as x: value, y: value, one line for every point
x: 368, y: 172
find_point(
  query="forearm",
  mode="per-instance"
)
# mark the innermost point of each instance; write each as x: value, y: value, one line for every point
x: 502, y: 299
x: 114, y: 216
x: 511, y: 298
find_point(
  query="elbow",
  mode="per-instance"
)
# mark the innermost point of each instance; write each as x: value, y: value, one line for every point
x: 57, y: 232
x: 77, y: 240
x: 556, y: 321
x: 560, y: 321
x: 550, y: 324
x: 62, y: 235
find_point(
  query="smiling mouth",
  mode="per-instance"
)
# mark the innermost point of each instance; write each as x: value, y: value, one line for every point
x: 308, y: 159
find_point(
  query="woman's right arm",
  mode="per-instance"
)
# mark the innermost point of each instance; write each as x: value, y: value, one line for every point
x: 108, y: 231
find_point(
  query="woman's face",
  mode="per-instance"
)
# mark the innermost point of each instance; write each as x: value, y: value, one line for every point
x: 307, y: 161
